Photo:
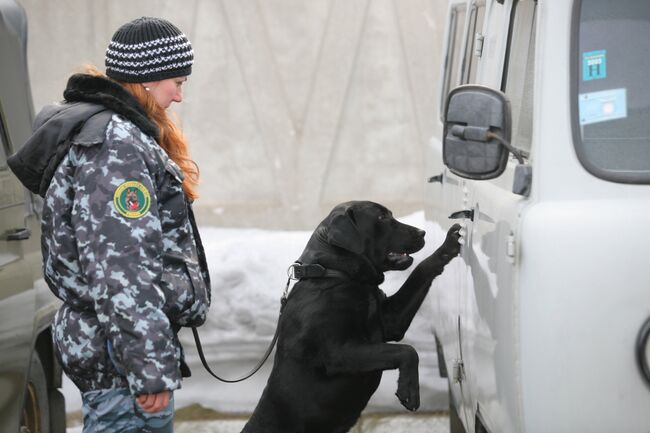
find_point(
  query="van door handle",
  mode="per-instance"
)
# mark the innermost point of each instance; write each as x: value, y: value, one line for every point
x: 18, y: 234
x: 463, y: 214
x: 437, y: 178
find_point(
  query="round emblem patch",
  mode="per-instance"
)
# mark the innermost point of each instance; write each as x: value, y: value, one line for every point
x: 132, y: 199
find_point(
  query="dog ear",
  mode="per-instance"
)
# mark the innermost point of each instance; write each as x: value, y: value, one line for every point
x: 344, y: 233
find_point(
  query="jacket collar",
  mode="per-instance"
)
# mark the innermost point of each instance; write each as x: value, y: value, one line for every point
x: 103, y: 91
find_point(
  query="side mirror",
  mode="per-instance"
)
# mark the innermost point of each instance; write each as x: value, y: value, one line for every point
x: 477, y: 132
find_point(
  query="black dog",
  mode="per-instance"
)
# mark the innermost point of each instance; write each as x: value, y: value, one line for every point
x: 332, y: 344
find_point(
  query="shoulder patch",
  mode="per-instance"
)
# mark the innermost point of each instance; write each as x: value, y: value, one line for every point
x: 132, y: 199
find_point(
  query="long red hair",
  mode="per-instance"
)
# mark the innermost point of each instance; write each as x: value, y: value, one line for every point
x: 171, y: 137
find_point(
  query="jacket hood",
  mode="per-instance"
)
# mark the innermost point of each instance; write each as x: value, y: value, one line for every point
x: 55, y: 126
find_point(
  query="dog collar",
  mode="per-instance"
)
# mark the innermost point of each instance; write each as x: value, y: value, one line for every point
x: 299, y: 271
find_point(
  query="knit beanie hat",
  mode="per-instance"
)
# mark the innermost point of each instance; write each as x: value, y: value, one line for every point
x: 148, y: 49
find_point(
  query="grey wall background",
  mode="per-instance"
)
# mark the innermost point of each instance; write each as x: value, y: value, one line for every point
x: 293, y: 105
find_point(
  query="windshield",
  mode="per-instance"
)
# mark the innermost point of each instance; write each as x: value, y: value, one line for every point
x: 612, y: 66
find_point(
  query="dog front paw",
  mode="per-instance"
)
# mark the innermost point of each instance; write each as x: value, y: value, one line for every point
x: 408, y: 382
x: 410, y: 397
x: 450, y: 248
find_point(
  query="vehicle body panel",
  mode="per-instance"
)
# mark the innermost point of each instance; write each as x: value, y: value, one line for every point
x: 552, y: 288
x: 584, y: 296
x: 26, y: 304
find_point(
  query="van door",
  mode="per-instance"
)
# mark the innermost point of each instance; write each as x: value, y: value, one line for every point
x: 469, y: 65
x: 20, y: 260
x: 463, y: 45
x: 488, y: 327
x: 445, y: 192
x: 17, y: 294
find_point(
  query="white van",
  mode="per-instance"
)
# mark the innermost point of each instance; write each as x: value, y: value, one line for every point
x: 543, y: 323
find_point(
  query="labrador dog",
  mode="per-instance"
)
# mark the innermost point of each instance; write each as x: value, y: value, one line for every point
x: 334, y: 328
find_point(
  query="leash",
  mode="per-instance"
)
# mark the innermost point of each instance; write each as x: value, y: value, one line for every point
x: 297, y: 271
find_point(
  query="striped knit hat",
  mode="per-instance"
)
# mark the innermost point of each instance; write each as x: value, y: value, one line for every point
x: 148, y: 49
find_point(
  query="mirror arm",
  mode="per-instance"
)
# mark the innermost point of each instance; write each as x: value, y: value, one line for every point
x: 483, y: 134
x: 508, y: 146
x: 473, y: 133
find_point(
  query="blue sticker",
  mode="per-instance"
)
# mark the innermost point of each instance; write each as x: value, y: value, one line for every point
x: 594, y: 65
x: 602, y: 106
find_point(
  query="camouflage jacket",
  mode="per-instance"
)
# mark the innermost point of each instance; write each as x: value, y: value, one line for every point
x: 119, y: 242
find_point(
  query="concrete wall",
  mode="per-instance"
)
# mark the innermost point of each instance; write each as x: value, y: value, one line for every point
x: 293, y: 105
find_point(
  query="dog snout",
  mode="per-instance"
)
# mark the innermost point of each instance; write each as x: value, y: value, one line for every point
x: 416, y: 233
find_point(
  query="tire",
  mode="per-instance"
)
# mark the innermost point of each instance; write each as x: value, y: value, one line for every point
x: 35, y: 416
x: 455, y: 424
x: 57, y: 411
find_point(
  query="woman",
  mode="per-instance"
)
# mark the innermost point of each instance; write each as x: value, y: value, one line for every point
x: 119, y: 241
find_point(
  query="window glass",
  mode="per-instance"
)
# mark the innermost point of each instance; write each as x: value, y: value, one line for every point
x: 452, y: 57
x: 518, y: 79
x: 476, y: 18
x: 612, y: 99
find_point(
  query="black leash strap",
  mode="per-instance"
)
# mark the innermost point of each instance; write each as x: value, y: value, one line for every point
x: 296, y: 271
x: 259, y: 365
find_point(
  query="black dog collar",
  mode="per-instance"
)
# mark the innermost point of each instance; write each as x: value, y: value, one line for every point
x: 299, y: 271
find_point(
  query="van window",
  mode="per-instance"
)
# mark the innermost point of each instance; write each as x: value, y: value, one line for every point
x: 451, y: 77
x: 476, y: 18
x: 518, y: 73
x: 611, y: 101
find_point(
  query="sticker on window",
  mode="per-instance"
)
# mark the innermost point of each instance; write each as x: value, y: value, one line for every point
x: 594, y: 65
x: 602, y: 106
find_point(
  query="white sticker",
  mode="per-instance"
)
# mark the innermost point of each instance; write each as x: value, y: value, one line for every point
x: 601, y: 106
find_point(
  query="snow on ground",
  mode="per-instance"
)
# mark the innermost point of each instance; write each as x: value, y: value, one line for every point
x: 407, y: 423
x: 388, y: 423
x: 248, y: 270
